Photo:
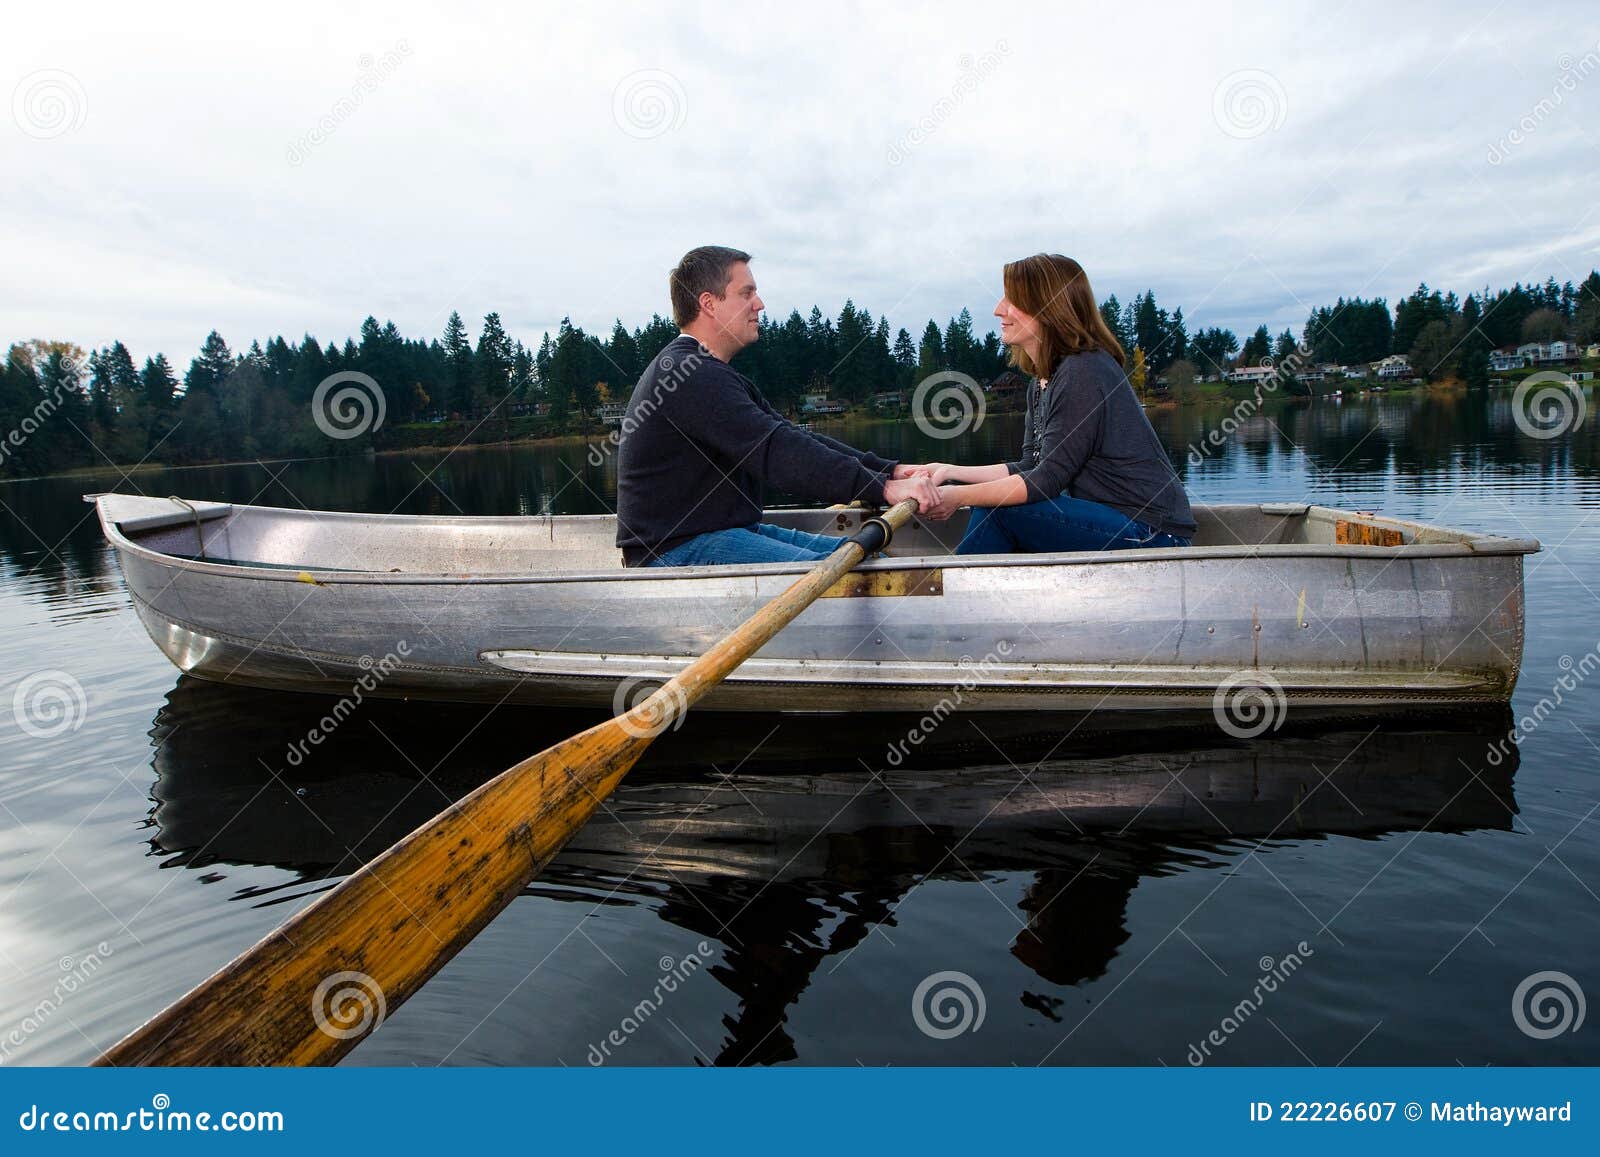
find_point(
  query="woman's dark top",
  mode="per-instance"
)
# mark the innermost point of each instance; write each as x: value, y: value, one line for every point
x: 1087, y: 436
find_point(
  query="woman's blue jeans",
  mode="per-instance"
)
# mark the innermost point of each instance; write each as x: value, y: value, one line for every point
x: 1059, y: 524
x: 759, y: 543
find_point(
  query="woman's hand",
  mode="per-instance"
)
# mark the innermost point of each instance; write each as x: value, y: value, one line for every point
x: 950, y: 501
x: 909, y: 470
x: 897, y: 490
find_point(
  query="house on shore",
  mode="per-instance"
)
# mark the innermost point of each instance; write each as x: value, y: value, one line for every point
x: 1252, y: 374
x: 818, y: 404
x: 1538, y: 353
x: 1393, y: 367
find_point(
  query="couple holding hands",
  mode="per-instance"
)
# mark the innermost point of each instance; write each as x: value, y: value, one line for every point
x: 699, y: 441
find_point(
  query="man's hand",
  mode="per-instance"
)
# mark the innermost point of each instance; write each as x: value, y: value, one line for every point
x: 907, y: 470
x: 941, y: 472
x: 918, y: 487
x: 949, y: 500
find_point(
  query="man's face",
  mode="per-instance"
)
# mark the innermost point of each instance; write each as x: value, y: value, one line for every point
x: 738, y: 312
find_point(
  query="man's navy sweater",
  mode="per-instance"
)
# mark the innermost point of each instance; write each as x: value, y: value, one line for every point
x: 698, y: 442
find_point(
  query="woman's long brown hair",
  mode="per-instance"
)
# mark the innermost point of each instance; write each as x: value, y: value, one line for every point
x: 1055, y: 291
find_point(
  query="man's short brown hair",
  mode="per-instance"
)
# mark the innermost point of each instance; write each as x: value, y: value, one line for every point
x: 702, y: 270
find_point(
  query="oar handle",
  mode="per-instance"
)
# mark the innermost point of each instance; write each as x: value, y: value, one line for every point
x: 878, y: 531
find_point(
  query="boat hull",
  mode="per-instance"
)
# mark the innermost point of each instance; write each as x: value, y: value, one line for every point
x: 1337, y: 626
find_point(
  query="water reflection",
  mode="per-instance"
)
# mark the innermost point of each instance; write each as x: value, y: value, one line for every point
x: 776, y: 840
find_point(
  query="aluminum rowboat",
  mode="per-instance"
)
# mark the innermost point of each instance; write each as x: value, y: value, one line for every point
x: 1309, y: 605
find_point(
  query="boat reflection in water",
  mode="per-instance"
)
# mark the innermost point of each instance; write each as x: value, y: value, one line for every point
x: 775, y: 840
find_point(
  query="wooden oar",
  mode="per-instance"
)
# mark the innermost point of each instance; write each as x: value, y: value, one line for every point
x: 310, y: 991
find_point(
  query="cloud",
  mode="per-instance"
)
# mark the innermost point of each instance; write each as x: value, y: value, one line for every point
x: 274, y: 177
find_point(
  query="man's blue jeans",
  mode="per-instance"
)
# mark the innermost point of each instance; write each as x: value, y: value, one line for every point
x: 759, y: 543
x: 1059, y: 524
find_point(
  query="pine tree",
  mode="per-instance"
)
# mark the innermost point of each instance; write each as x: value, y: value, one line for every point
x: 1257, y: 347
x: 493, y: 361
x: 930, y: 354
x: 159, y: 383
x: 102, y: 410
x: 885, y: 373
x: 208, y: 371
x: 623, y: 354
x: 851, y: 374
x: 960, y: 346
x: 523, y: 384
x: 461, y: 379
x: 1111, y: 314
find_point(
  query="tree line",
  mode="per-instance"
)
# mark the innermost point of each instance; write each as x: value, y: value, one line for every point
x: 61, y: 408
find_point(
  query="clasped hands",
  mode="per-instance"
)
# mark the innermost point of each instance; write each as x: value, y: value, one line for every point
x: 930, y: 484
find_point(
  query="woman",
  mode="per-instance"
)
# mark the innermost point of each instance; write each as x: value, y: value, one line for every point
x: 1093, y: 475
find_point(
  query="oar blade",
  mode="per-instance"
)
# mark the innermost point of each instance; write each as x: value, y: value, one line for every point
x: 316, y: 987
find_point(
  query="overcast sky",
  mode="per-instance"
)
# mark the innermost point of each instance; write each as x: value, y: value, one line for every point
x: 294, y: 170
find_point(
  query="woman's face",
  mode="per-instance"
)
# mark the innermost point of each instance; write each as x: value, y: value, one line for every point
x: 1016, y: 328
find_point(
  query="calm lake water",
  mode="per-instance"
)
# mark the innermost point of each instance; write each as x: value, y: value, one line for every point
x: 1108, y: 896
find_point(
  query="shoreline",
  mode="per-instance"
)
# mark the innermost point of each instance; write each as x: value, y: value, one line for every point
x: 1213, y: 394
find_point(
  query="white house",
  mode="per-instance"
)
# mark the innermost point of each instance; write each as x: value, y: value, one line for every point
x: 1563, y: 351
x: 820, y: 404
x: 1252, y: 374
x: 1534, y: 352
x: 1355, y: 371
x: 1502, y: 360
x: 1393, y: 366
x: 1593, y: 351
x: 611, y: 413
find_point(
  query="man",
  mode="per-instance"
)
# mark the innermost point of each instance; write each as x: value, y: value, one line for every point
x: 699, y: 441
